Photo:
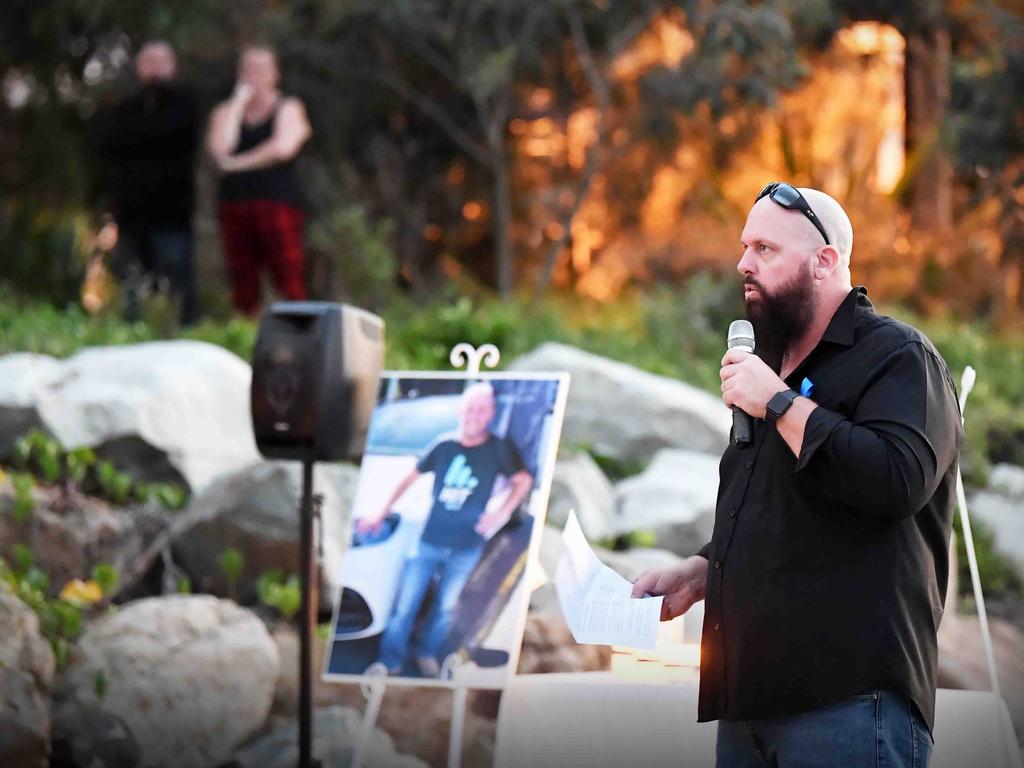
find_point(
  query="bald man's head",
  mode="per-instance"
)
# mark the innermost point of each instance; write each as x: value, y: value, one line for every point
x: 834, y: 219
x: 156, y: 62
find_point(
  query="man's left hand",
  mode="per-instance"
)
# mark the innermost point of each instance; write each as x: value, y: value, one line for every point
x: 490, y: 521
x: 748, y: 382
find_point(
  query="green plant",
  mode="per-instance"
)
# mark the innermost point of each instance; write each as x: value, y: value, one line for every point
x: 79, y: 461
x: 231, y: 563
x: 116, y: 485
x: 172, y: 497
x: 275, y: 592
x: 101, y: 685
x: 628, y: 540
x: 24, y: 500
x: 60, y: 621
x: 106, y: 576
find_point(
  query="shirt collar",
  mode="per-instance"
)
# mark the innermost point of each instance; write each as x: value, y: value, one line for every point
x: 840, y: 328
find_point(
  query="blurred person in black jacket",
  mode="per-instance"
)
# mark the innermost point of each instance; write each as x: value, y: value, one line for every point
x: 149, y: 140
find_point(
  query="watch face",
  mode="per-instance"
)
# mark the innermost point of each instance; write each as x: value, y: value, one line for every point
x: 779, y: 404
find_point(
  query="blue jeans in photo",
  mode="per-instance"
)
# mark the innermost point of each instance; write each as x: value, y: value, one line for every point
x: 452, y: 568
x: 872, y: 730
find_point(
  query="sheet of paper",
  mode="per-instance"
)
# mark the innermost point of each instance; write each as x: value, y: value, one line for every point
x: 596, y: 600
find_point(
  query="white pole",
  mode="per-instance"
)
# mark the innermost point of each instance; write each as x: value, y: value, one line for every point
x: 373, y: 689
x: 966, y: 385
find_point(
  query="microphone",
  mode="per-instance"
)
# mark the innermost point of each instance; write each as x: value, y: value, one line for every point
x: 741, y: 336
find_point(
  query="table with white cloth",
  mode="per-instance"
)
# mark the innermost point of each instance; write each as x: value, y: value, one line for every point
x: 597, y: 719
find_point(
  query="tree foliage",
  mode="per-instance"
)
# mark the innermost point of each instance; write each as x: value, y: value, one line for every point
x: 418, y: 108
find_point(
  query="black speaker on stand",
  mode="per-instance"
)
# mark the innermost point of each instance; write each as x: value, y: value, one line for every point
x: 315, y: 371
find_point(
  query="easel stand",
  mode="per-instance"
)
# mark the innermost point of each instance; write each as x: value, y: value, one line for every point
x: 376, y: 675
x: 373, y: 689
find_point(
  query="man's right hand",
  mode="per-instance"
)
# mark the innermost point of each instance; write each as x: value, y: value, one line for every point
x: 365, y: 525
x: 682, y: 585
x: 242, y: 93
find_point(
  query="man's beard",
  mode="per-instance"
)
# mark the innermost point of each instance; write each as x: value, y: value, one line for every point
x: 780, y: 318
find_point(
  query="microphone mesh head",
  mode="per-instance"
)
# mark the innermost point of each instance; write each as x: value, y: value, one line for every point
x: 741, y: 334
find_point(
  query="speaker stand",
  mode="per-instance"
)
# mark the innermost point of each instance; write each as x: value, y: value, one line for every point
x: 307, y: 572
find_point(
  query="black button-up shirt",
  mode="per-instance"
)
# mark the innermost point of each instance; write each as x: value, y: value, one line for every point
x: 829, y: 570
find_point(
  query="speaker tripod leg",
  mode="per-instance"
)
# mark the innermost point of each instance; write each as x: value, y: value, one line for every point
x: 307, y: 568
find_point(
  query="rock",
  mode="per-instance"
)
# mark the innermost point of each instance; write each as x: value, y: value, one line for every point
x: 164, y: 411
x: 191, y: 676
x: 674, y: 498
x: 548, y: 646
x: 580, y: 485
x: 69, y: 536
x: 88, y: 737
x: 628, y: 414
x: 256, y: 510
x: 1007, y: 479
x: 26, y: 674
x: 1004, y: 515
x: 335, y: 730
x: 23, y: 376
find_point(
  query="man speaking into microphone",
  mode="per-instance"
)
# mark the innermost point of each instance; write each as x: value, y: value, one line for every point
x: 825, y: 576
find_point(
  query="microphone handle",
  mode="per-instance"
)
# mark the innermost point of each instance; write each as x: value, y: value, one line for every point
x: 742, y: 422
x: 742, y: 428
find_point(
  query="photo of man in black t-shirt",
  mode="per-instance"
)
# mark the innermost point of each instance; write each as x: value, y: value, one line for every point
x: 465, y: 467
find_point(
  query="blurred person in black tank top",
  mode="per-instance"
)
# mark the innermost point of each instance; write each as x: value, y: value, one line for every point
x: 254, y: 138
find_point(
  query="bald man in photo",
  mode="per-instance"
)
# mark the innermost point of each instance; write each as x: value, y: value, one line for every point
x: 465, y: 466
x: 826, y: 573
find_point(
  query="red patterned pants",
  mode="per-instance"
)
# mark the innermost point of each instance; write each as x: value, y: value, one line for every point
x: 259, y: 234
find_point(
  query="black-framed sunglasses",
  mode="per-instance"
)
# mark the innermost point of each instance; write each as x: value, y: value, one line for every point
x: 789, y: 197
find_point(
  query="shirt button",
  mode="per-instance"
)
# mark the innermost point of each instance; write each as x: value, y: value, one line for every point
x: 718, y: 563
x: 717, y: 627
x: 732, y: 513
x: 750, y: 464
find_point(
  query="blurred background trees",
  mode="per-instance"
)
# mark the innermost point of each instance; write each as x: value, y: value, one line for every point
x: 531, y: 145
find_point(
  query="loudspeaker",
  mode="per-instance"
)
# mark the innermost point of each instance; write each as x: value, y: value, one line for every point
x: 315, y: 372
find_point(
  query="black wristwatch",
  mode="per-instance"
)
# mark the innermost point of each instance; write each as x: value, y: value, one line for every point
x: 779, y: 404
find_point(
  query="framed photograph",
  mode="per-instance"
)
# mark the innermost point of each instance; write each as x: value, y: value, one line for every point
x: 448, y: 512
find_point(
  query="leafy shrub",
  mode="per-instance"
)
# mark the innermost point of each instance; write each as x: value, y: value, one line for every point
x: 231, y: 563
x: 285, y: 596
x: 60, y: 621
x: 41, y: 454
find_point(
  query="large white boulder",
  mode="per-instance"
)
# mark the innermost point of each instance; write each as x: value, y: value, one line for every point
x: 674, y: 498
x: 628, y: 414
x: 256, y: 510
x: 26, y: 672
x: 1007, y: 479
x: 1004, y: 515
x: 191, y: 676
x: 164, y: 410
x: 580, y: 486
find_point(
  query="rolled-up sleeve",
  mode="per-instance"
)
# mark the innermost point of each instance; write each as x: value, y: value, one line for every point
x: 889, y: 457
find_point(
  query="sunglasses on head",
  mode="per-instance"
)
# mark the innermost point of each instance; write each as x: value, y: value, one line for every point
x: 789, y: 197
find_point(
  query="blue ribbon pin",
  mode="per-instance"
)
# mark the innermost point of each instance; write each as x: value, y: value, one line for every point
x: 806, y: 387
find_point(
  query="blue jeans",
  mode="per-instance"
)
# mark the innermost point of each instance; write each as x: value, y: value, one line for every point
x: 154, y: 254
x: 452, y: 568
x: 869, y: 731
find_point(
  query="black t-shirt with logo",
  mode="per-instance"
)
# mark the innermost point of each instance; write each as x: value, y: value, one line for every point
x: 463, y: 482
